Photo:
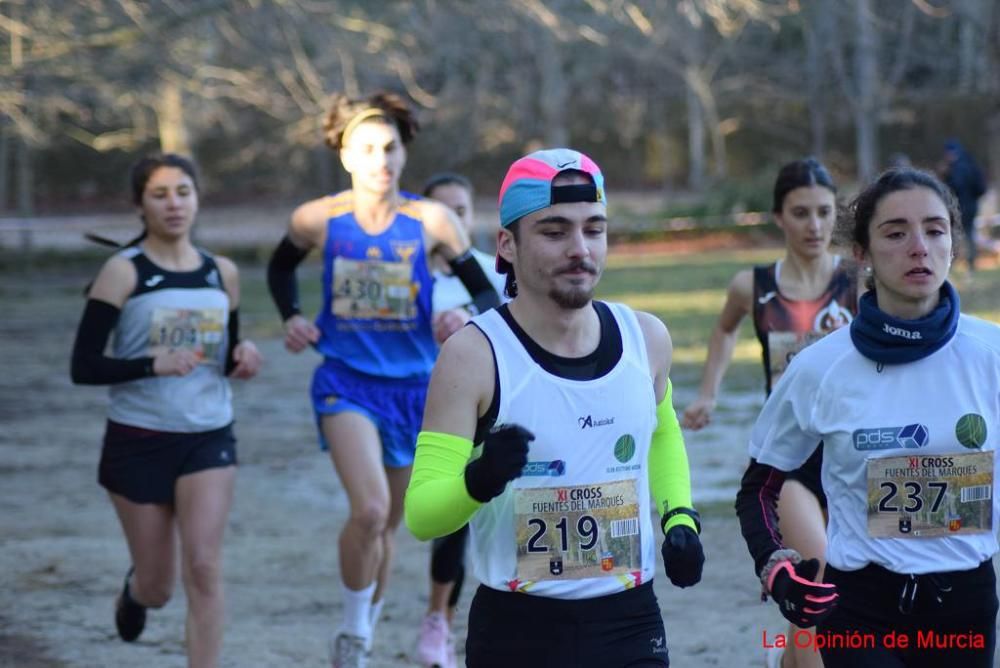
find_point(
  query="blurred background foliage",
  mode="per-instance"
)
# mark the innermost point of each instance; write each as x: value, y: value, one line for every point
x: 700, y: 99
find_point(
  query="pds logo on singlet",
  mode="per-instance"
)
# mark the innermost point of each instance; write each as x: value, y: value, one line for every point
x: 888, y: 438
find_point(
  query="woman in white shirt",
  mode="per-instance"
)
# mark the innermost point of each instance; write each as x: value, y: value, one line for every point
x: 907, y: 403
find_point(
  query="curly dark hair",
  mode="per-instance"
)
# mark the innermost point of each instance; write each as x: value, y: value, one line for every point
x: 343, y: 109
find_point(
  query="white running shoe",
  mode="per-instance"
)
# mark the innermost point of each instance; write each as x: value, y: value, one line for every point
x: 432, y: 644
x: 347, y: 651
x: 774, y: 655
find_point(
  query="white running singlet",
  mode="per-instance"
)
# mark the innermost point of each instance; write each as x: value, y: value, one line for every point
x: 577, y: 524
x: 908, y: 449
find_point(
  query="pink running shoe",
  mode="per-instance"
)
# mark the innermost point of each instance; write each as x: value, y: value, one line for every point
x: 433, y: 642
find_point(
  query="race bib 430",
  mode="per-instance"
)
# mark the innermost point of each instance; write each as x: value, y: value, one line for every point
x: 373, y: 289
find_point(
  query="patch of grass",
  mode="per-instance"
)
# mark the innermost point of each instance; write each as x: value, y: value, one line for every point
x: 686, y: 292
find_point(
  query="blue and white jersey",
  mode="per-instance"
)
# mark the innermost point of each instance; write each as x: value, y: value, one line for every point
x: 180, y: 310
x: 908, y: 463
x: 376, y: 314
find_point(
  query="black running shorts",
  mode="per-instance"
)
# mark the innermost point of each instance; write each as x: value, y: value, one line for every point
x: 948, y: 619
x: 515, y: 629
x: 810, y: 475
x: 143, y: 465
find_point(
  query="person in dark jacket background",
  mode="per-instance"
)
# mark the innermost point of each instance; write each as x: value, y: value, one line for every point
x: 961, y: 173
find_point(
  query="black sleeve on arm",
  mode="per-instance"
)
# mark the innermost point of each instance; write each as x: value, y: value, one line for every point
x: 281, y: 280
x: 757, y: 508
x: 234, y: 338
x: 469, y: 271
x: 90, y: 366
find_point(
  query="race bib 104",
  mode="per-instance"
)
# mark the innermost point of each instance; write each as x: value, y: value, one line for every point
x: 199, y: 330
x: 926, y: 496
x: 584, y: 531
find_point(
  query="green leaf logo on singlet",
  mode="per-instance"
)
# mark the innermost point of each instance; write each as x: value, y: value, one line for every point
x: 624, y: 448
x: 970, y: 430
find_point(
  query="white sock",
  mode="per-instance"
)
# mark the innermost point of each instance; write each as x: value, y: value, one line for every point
x: 376, y: 613
x: 357, y: 611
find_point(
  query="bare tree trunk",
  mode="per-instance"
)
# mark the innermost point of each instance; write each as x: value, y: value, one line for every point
x: 696, y: 138
x: 817, y: 34
x: 170, y: 118
x: 993, y: 67
x: 25, y: 193
x: 4, y: 164
x: 702, y: 89
x: 553, y: 94
x: 967, y: 46
x: 866, y: 109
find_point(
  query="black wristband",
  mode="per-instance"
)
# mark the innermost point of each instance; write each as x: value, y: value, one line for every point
x: 690, y: 512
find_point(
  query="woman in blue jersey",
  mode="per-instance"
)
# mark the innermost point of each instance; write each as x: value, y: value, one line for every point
x: 792, y: 303
x: 906, y: 402
x: 169, y: 455
x: 374, y: 332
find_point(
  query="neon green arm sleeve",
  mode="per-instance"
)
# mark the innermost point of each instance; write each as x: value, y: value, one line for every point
x: 669, y: 475
x: 437, y: 502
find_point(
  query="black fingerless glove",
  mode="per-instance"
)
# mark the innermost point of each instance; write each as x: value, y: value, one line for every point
x: 683, y: 557
x: 505, y: 452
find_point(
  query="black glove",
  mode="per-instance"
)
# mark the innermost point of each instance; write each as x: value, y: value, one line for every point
x: 802, y: 602
x: 505, y: 452
x: 682, y: 556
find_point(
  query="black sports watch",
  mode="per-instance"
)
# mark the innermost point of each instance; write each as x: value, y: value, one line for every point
x: 690, y: 512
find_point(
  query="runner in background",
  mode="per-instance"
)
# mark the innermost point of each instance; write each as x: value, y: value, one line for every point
x: 792, y: 302
x: 169, y: 455
x: 567, y: 401
x: 452, y: 309
x: 374, y: 333
x: 905, y: 401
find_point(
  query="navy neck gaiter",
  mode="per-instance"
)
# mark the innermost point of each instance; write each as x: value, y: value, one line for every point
x: 885, y: 339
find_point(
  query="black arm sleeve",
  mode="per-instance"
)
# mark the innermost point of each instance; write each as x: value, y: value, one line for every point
x: 234, y: 338
x: 90, y: 366
x: 281, y: 280
x: 468, y: 270
x: 757, y: 508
